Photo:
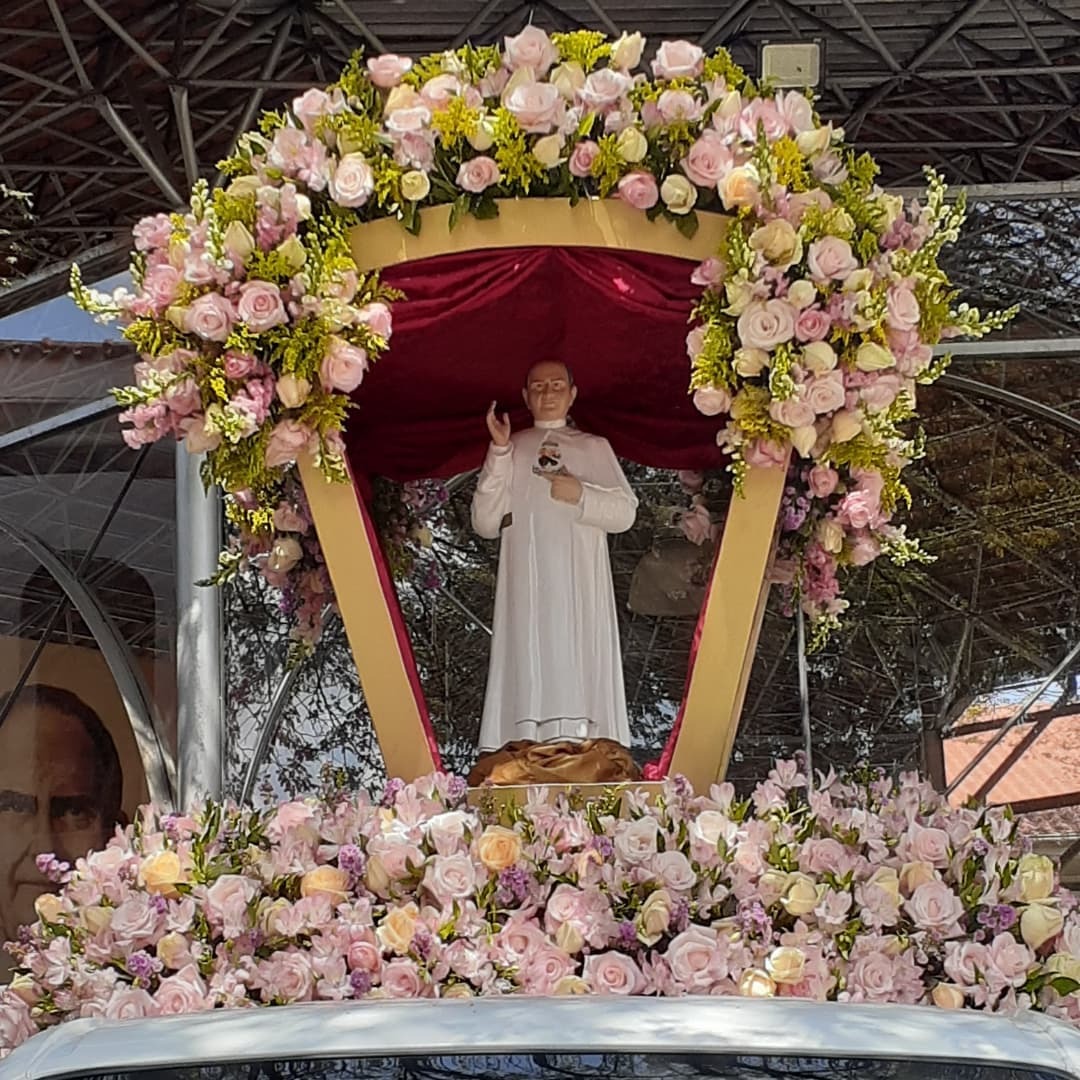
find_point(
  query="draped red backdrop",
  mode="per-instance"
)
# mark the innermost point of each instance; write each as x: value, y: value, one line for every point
x: 469, y: 328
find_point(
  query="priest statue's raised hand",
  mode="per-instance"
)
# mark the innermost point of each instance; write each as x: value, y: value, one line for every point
x: 554, y: 493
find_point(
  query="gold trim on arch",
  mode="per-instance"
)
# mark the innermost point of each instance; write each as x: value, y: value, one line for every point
x: 736, y: 598
x: 597, y: 223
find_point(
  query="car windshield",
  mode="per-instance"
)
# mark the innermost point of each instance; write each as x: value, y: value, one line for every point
x: 581, y: 1066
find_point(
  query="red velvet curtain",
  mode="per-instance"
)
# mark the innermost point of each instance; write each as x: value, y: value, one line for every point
x: 473, y: 323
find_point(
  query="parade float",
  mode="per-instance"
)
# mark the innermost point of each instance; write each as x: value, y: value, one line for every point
x: 383, y: 259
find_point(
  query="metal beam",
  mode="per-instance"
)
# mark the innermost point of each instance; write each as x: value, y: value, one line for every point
x: 1013, y: 400
x: 352, y: 17
x: 58, y: 425
x: 132, y: 43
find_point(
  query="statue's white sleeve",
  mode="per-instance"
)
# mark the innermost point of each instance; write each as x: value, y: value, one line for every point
x: 607, y: 500
x: 491, y: 502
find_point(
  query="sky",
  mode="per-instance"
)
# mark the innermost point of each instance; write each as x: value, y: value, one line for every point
x: 60, y: 320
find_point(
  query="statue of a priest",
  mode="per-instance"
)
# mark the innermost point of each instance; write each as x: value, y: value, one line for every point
x: 554, y: 493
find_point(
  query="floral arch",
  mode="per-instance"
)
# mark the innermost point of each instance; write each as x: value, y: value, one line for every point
x: 816, y: 296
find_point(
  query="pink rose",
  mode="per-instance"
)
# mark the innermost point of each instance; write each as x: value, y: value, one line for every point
x: 376, y: 317
x: 763, y: 112
x: 286, y: 976
x: 639, y: 189
x: 1009, y: 961
x: 183, y: 992
x: 764, y: 324
x: 613, y: 973
x: 823, y: 481
x: 535, y: 106
x: 582, y: 158
x: 690, y: 957
x: 387, y: 70
x: 812, y: 324
x: 16, y: 1023
x: 864, y: 549
x: 343, y: 365
x: 871, y: 977
x: 478, y: 174
x: 678, y: 59
x: 287, y: 441
x: 352, y: 181
x: 677, y: 106
x: 135, y: 924
x: 830, y: 259
x: 408, y: 121
x: 902, y: 308
x: 674, y: 870
x: 183, y: 397
x: 882, y: 392
x: 696, y: 524
x: 565, y: 904
x: 130, y: 1003
x: 152, y: 232
x: 796, y: 111
x: 160, y: 286
x: 238, y: 365
x: 260, y: 306
x: 227, y: 901
x: 860, y: 510
x: 364, y: 956
x: 712, y: 400
x: 311, y: 106
x: 912, y: 356
x: 543, y: 970
x: 299, y: 154
x: 210, y: 317
x: 710, y: 273
x: 437, y: 92
x: 450, y: 877
x: 965, y: 961
x: 825, y: 393
x: 934, y: 906
x: 794, y: 412
x: 532, y: 48
x: 603, y: 88
x: 762, y: 454
x: 708, y: 160
x: 401, y: 979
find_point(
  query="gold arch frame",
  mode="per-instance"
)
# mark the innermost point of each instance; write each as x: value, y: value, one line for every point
x: 736, y: 601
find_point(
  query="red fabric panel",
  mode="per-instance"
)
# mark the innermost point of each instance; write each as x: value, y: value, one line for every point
x: 473, y: 323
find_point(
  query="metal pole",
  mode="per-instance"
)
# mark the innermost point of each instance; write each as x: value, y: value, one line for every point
x: 1015, y: 719
x: 804, y: 697
x: 200, y: 698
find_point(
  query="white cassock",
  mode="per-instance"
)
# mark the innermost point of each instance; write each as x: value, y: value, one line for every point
x: 556, y: 668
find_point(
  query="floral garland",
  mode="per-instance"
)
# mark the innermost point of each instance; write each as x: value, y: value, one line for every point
x: 816, y: 319
x: 858, y: 890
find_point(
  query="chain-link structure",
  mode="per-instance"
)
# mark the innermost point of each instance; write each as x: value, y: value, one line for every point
x: 111, y: 109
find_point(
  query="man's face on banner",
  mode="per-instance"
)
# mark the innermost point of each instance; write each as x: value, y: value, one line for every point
x: 50, y: 800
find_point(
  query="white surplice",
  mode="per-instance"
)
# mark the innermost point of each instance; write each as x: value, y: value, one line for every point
x: 556, y: 667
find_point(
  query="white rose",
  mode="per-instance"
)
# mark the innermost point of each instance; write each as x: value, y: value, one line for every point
x: 678, y: 193
x: 415, y: 185
x: 873, y: 357
x: 483, y: 137
x: 548, y: 150
x: 802, y: 293
x: 243, y: 186
x: 818, y: 357
x: 830, y: 535
x: 813, y: 142
x: 804, y: 439
x: 626, y: 51
x: 292, y: 251
x: 568, y: 78
x: 238, y: 240
x: 1036, y: 874
x: 801, y: 895
x: 858, y: 280
x: 293, y: 390
x: 632, y: 145
x: 750, y: 362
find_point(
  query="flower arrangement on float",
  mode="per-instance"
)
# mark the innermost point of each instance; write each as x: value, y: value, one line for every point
x: 815, y: 323
x: 860, y: 889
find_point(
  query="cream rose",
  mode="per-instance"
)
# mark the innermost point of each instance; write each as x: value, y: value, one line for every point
x: 376, y: 876
x: 740, y: 187
x: 1065, y: 964
x: 819, y: 357
x: 1040, y: 923
x: 750, y: 362
x: 174, y: 950
x: 778, y: 242
x: 655, y: 917
x: 631, y: 145
x: 415, y: 185
x: 786, y: 964
x: 947, y: 996
x: 548, y: 150
x: 237, y: 240
x: 802, y: 293
x: 293, y: 390
x: 756, y: 983
x: 570, y: 985
x: 813, y: 142
x: 568, y: 78
x: 48, y: 907
x: 626, y: 51
x: 1036, y: 876
x: 871, y: 356
x: 398, y: 928
x: 498, y: 848
x: 569, y: 938
x: 96, y: 918
x: 325, y: 881
x: 161, y: 873
x: 801, y: 895
x: 845, y: 426
x: 830, y: 535
x: 678, y: 193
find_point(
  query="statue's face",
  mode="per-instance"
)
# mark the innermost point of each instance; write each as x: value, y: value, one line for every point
x: 548, y: 391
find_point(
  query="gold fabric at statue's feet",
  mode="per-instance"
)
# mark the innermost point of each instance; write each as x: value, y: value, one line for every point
x: 562, y: 761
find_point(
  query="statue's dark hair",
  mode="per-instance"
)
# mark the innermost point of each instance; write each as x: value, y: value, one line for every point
x: 107, y: 773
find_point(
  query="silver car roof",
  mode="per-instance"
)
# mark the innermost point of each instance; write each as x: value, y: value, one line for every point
x: 719, y: 1025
